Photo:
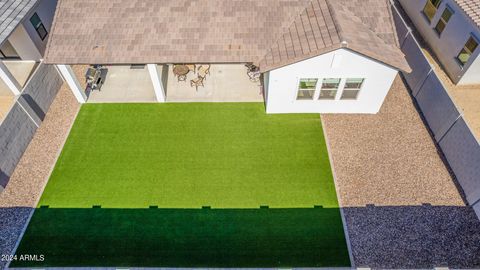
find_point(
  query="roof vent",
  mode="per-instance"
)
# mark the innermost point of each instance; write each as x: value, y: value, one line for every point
x: 344, y: 43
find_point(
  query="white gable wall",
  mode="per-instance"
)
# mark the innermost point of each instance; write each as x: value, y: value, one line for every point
x: 282, y: 85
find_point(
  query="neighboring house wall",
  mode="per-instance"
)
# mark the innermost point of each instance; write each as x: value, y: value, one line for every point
x: 447, y: 46
x: 450, y: 131
x: 283, y: 83
x: 46, y: 11
x: 25, y: 38
x: 19, y: 126
x: 23, y: 44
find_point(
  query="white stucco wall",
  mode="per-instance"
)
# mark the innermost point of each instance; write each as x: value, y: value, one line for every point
x: 448, y: 45
x: 282, y: 85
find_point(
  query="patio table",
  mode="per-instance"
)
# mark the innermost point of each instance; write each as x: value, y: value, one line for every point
x: 180, y: 70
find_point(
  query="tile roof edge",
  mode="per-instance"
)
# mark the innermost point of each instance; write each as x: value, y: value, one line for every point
x: 300, y: 59
x: 51, y: 37
x: 403, y: 66
x: 391, y: 4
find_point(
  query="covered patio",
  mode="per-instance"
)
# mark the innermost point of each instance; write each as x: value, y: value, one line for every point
x: 120, y: 84
x: 164, y: 83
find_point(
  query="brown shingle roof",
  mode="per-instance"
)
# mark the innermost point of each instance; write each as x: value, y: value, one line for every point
x: 270, y: 33
x: 471, y: 8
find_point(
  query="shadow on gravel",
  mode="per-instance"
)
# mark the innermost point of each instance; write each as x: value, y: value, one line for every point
x: 185, y: 238
x: 414, y: 236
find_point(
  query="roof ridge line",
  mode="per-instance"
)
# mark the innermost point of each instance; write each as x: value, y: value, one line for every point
x: 340, y: 30
x: 52, y: 29
x: 294, y: 19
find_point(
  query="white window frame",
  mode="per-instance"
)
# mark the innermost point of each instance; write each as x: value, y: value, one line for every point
x: 359, y: 89
x: 298, y: 88
x: 340, y: 85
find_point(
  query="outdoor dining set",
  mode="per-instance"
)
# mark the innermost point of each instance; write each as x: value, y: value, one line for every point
x: 202, y: 70
x: 181, y: 71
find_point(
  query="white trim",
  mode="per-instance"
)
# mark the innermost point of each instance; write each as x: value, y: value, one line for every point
x: 70, y: 78
x: 9, y: 79
x: 341, y: 87
x: 157, y: 84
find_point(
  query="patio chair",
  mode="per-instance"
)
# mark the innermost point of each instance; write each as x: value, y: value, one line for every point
x: 197, y: 82
x: 192, y: 67
x: 203, y: 71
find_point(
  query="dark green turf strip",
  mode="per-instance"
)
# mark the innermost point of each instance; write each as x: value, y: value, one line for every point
x: 186, y: 238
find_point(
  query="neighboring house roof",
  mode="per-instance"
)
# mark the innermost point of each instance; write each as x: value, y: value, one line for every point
x: 12, y: 13
x: 269, y: 33
x: 471, y: 8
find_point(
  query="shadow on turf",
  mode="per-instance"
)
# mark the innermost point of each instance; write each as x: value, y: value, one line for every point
x: 381, y: 237
x: 185, y: 237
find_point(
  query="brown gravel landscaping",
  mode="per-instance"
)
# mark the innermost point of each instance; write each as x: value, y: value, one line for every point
x: 402, y: 207
x: 388, y: 158
x: 31, y: 174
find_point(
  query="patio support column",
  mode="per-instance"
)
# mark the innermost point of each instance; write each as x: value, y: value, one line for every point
x: 71, y: 80
x: 9, y: 79
x: 156, y: 81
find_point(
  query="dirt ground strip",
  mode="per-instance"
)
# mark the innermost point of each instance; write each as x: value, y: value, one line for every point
x: 29, y: 178
x: 401, y: 205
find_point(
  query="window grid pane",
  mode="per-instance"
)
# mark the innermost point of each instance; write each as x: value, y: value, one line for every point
x: 305, y: 94
x: 350, y: 94
x: 352, y: 88
x: 35, y: 20
x: 467, y: 51
x: 471, y: 45
x: 431, y: 8
x: 306, y: 89
x: 42, y: 32
x: 442, y: 23
x: 308, y: 84
x: 329, y: 88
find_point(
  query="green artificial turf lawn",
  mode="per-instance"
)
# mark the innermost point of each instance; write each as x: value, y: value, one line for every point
x: 223, y: 155
x: 174, y: 159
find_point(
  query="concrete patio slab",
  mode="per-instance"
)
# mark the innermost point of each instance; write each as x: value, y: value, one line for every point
x: 225, y: 83
x: 123, y: 85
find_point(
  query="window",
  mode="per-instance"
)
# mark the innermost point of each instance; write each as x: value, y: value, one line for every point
x: 306, y: 89
x: 329, y: 88
x: 442, y: 23
x: 38, y: 25
x: 467, y: 51
x: 431, y: 8
x: 352, y: 88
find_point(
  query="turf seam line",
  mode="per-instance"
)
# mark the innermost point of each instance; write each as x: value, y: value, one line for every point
x: 25, y: 226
